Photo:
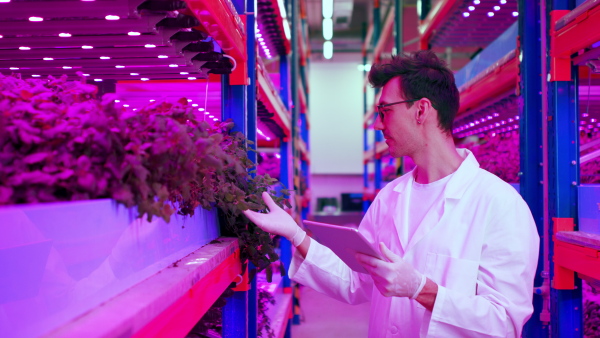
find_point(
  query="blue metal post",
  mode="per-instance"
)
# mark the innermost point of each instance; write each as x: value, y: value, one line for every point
x: 365, y: 129
x: 398, y: 12
x: 284, y: 171
x: 284, y: 80
x: 531, y: 175
x: 294, y: 71
x: 378, y: 134
x: 305, y: 170
x: 251, y: 136
x: 239, y: 104
x: 563, y: 135
x: 235, y: 312
x: 566, y: 305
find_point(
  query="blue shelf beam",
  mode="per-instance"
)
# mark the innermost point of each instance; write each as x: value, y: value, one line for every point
x: 531, y: 174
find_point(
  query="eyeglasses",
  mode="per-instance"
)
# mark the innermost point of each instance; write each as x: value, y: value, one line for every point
x: 380, y: 106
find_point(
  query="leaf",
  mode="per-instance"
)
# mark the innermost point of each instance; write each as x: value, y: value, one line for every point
x: 35, y: 158
x: 87, y: 181
x: 282, y: 269
x: 33, y: 177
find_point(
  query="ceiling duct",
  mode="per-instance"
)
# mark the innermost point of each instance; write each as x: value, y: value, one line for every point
x: 342, y: 13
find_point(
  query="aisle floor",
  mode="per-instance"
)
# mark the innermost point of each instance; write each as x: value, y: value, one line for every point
x: 325, y: 317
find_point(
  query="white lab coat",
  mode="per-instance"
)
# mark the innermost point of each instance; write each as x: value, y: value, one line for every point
x: 482, y: 253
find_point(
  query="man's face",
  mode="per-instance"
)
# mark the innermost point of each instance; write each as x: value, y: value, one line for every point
x: 399, y: 124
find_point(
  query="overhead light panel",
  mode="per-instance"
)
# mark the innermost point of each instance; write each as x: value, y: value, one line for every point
x: 328, y: 9
x: 328, y: 50
x: 328, y: 29
x: 282, y: 10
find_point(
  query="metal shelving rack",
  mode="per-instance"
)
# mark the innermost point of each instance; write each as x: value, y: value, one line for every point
x: 573, y: 36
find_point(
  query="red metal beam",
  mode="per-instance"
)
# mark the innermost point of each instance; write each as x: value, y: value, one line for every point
x: 228, y: 28
x: 574, y: 258
x: 578, y: 34
x: 433, y: 20
x: 495, y: 83
x: 384, y: 36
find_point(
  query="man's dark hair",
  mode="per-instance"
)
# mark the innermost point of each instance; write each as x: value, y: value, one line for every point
x: 422, y: 74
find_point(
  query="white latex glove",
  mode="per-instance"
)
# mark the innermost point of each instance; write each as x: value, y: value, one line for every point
x: 277, y: 221
x: 394, y: 277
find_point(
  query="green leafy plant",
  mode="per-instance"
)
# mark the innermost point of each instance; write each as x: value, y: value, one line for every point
x: 59, y: 143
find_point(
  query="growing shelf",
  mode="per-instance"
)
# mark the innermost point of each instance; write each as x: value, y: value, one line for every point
x: 377, y: 152
x: 168, y: 303
x: 277, y: 117
x: 466, y: 23
x: 274, y: 28
x: 220, y: 19
x: 281, y: 312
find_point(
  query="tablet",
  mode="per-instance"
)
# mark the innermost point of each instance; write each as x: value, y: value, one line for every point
x: 345, y: 242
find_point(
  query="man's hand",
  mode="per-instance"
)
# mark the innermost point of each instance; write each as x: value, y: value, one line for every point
x: 394, y: 277
x: 277, y: 221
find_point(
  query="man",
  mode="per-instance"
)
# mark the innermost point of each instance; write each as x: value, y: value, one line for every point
x: 461, y: 246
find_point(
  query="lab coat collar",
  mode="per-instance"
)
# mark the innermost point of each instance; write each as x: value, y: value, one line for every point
x: 458, y: 182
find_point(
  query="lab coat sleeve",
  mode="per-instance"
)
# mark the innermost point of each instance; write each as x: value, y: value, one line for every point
x: 503, y: 300
x: 325, y: 272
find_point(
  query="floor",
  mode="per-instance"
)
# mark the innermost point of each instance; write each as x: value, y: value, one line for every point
x: 326, y: 317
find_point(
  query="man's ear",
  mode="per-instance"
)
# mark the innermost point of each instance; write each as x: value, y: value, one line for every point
x: 423, y: 110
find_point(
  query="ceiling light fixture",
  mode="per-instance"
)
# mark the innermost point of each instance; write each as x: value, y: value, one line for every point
x: 65, y: 35
x: 149, y: 45
x: 134, y: 33
x: 328, y: 50
x: 112, y: 17
x: 105, y: 58
x: 327, y: 9
x: 36, y: 19
x: 144, y: 79
x: 327, y: 28
x: 134, y: 74
x: 48, y: 59
x: 163, y: 57
x: 24, y: 48
x: 87, y: 47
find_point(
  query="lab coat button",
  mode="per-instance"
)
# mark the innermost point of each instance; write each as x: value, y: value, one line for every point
x: 393, y: 330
